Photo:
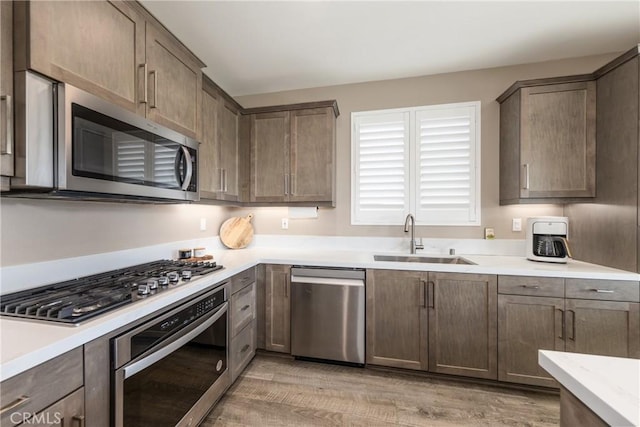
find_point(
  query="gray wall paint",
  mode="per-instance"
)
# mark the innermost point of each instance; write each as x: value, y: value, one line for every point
x: 40, y: 230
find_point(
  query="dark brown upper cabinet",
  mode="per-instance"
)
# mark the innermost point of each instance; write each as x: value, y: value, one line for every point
x: 548, y: 140
x: 293, y: 154
x: 115, y: 50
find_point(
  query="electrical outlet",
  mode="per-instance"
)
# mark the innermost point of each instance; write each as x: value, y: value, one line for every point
x: 516, y: 224
x: 489, y: 234
x: 285, y: 223
x: 203, y: 224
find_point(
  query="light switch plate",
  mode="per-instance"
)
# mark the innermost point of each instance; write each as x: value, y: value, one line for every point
x: 285, y: 223
x: 516, y: 224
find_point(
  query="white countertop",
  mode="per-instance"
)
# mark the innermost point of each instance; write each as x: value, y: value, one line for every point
x: 24, y: 344
x: 609, y: 386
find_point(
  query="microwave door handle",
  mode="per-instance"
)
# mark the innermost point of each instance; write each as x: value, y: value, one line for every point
x: 176, y: 167
x: 189, y: 173
x: 163, y: 352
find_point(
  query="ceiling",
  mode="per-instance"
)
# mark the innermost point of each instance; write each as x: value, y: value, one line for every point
x: 253, y: 47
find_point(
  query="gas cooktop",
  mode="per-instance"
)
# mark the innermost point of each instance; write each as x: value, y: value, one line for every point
x: 77, y: 300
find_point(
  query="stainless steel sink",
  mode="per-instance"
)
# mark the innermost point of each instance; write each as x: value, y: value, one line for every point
x: 424, y: 259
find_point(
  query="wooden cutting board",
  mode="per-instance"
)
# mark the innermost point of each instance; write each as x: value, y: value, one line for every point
x: 237, y: 232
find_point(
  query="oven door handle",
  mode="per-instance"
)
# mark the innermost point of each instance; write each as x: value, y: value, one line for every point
x: 163, y: 352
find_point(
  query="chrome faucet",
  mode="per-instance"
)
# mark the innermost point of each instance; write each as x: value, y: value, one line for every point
x: 410, y: 221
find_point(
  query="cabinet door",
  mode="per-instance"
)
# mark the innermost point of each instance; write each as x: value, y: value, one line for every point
x: 6, y: 93
x: 607, y: 328
x: 209, y: 176
x: 243, y: 348
x: 174, y: 83
x: 95, y: 45
x: 270, y: 157
x: 558, y: 140
x: 526, y: 325
x: 396, y: 327
x: 312, y: 155
x: 278, y: 309
x: 68, y: 411
x: 463, y: 324
x: 229, y: 140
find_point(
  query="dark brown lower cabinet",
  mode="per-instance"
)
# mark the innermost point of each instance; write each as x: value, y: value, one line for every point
x: 575, y: 413
x: 606, y: 328
x: 277, y: 308
x: 527, y: 324
x: 441, y: 322
x: 463, y: 324
x: 67, y: 412
x: 396, y: 319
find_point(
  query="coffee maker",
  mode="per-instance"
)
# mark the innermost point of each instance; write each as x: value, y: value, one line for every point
x: 546, y: 239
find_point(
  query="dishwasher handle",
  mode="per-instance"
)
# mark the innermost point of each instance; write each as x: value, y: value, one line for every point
x: 326, y: 281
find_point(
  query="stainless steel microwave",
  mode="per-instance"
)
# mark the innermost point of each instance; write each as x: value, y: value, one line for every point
x: 70, y: 143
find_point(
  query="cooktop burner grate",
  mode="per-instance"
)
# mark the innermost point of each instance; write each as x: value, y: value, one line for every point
x: 77, y: 300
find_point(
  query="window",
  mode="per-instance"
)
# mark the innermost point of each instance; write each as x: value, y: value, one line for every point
x: 421, y: 160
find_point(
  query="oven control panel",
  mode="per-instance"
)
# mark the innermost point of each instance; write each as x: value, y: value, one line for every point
x: 165, y: 327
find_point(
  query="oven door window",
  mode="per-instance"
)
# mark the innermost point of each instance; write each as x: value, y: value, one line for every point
x: 108, y: 149
x: 161, y: 394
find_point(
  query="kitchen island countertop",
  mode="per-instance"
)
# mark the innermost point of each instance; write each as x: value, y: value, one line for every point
x: 609, y: 386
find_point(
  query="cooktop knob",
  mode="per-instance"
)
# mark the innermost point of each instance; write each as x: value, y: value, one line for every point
x: 173, y: 276
x: 163, y: 280
x: 153, y: 283
x: 143, y: 289
x: 186, y: 274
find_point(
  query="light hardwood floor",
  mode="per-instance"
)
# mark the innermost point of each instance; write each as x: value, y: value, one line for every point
x: 278, y: 391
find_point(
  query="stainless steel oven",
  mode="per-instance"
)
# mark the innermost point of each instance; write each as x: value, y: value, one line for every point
x: 71, y: 143
x: 171, y: 370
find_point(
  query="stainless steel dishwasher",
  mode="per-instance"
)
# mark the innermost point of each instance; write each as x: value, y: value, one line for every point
x: 327, y: 314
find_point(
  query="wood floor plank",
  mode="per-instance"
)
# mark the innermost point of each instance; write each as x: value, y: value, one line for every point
x: 277, y: 391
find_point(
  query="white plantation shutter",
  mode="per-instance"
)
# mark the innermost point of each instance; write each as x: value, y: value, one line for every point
x: 380, y: 181
x: 447, y: 187
x: 422, y: 160
x: 164, y: 164
x: 130, y: 157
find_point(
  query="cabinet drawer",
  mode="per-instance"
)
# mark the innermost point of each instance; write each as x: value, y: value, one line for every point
x: 65, y: 412
x: 39, y: 387
x: 607, y: 290
x: 243, y: 308
x: 243, y: 279
x: 534, y: 286
x: 243, y: 348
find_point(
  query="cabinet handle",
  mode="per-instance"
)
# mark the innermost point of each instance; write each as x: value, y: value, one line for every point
x: 562, y: 324
x: 221, y: 176
x: 286, y: 289
x: 245, y: 348
x: 286, y: 184
x: 145, y: 83
x: 15, y: 404
x: 224, y: 175
x: 155, y: 89
x: 245, y: 307
x: 7, y: 147
x: 432, y: 295
x: 423, y: 294
x: 573, y: 325
x: 531, y: 286
x: 292, y: 178
x: 78, y: 419
x: 525, y: 168
x: 603, y: 291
